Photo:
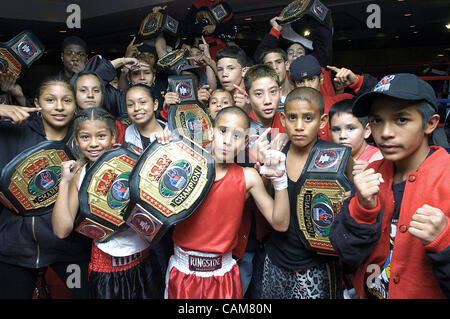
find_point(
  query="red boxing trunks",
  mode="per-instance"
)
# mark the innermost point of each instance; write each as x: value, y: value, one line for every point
x: 199, y: 275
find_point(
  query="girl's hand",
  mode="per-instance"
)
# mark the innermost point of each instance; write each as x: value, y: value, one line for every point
x: 164, y: 137
x: 171, y: 98
x: 17, y: 114
x: 68, y: 170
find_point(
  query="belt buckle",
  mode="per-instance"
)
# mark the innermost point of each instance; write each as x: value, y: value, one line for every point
x: 200, y: 263
x: 126, y: 260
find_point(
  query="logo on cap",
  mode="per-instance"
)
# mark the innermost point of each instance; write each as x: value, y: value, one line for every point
x: 384, y: 84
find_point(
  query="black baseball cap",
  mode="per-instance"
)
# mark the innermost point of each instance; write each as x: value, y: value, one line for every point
x: 147, y: 48
x: 303, y: 67
x: 402, y: 86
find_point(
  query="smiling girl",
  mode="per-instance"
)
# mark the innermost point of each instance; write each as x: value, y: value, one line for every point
x: 108, y: 278
x: 27, y: 243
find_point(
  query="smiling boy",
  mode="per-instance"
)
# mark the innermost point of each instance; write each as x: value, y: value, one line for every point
x: 395, y: 227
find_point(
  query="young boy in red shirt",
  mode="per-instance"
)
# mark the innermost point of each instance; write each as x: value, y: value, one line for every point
x: 395, y: 226
x: 202, y: 265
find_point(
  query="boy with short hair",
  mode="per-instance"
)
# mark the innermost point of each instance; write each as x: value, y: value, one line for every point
x: 232, y: 64
x: 262, y: 86
x: 277, y: 58
x: 211, y: 233
x: 73, y: 56
x: 291, y: 270
x: 395, y: 227
x: 306, y: 71
x: 349, y: 130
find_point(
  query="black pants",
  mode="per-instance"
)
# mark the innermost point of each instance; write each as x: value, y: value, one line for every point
x: 18, y: 282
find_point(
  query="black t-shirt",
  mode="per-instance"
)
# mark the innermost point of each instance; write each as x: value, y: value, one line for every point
x: 285, y: 249
x: 145, y: 141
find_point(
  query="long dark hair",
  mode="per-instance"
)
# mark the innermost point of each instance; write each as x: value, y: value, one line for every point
x: 75, y: 77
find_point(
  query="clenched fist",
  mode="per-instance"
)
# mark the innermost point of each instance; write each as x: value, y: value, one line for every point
x: 427, y: 224
x: 367, y: 184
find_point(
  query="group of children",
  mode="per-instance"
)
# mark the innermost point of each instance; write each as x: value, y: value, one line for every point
x: 246, y: 226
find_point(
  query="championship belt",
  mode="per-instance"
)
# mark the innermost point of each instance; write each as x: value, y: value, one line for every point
x: 19, y: 53
x: 319, y: 194
x: 157, y: 22
x: 213, y: 15
x: 189, y: 118
x: 73, y: 147
x: 167, y: 185
x: 297, y: 9
x: 29, y: 183
x: 104, y: 194
x: 173, y: 62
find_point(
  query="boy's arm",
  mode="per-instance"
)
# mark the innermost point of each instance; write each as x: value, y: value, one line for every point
x: 432, y: 227
x: 270, y: 40
x: 66, y: 204
x: 357, y: 228
x: 441, y: 268
x: 352, y: 239
x: 276, y: 211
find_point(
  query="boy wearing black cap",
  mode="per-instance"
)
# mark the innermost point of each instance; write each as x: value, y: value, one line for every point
x: 306, y: 71
x: 73, y: 56
x: 395, y: 226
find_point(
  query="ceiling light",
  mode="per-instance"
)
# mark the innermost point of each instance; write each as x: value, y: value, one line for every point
x: 62, y: 31
x: 447, y: 26
x: 248, y: 19
x: 306, y: 33
x: 407, y: 14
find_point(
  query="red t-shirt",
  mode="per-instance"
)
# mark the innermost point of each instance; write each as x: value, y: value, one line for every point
x: 214, y: 226
x: 277, y: 126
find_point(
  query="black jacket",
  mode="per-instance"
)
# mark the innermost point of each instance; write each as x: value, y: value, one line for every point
x: 322, y: 43
x: 29, y: 241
